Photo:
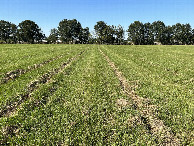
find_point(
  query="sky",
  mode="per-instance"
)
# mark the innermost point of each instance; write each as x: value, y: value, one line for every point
x: 48, y: 13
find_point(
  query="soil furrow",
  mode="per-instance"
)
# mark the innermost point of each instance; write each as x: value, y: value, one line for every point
x: 18, y: 72
x: 148, y: 112
x: 11, y: 107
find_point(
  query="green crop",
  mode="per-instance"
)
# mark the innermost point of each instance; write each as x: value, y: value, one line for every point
x: 82, y: 100
x: 165, y: 75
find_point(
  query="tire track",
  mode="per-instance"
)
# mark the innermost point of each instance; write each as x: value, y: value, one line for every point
x: 11, y: 75
x: 148, y: 112
x: 8, y: 109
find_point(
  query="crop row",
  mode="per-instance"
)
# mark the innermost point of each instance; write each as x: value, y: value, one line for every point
x: 16, y: 73
x: 15, y: 90
x: 165, y: 78
x: 84, y: 104
x: 21, y: 57
x: 121, y: 95
x: 146, y: 110
x: 33, y: 85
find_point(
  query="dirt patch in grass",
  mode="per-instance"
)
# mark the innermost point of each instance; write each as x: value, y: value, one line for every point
x: 120, y: 103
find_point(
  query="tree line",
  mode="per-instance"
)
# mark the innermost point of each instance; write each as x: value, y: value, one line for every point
x: 71, y: 31
x: 158, y: 32
x: 26, y: 32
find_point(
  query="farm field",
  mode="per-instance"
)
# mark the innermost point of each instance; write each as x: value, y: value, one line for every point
x: 96, y: 95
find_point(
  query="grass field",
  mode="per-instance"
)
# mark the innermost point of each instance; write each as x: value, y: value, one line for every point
x: 96, y: 95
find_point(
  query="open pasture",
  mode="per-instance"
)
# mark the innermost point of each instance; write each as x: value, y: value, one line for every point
x: 96, y: 95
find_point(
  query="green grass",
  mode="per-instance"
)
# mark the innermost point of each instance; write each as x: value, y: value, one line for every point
x: 165, y: 74
x: 21, y: 56
x: 79, y: 104
x: 15, y: 57
x: 14, y: 89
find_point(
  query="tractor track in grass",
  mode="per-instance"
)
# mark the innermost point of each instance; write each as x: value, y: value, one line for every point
x: 11, y: 75
x: 148, y: 114
x: 10, y: 108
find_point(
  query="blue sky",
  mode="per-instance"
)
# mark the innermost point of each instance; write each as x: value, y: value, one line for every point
x: 48, y: 13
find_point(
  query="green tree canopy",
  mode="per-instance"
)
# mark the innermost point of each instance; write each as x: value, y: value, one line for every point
x: 182, y: 34
x: 100, y: 29
x: 148, y: 34
x: 158, y: 28
x: 69, y: 30
x: 84, y: 37
x: 53, y: 37
x: 8, y: 31
x: 136, y: 33
x: 119, y: 33
x: 109, y: 34
x: 29, y: 32
x: 168, y: 36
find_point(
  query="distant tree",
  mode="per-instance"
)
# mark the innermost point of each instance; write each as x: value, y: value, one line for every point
x: 13, y: 34
x: 119, y: 32
x: 84, y: 37
x: 167, y: 36
x: 100, y: 29
x: 186, y: 34
x: 136, y: 33
x: 64, y: 31
x: 192, y: 38
x: 69, y: 30
x: 177, y: 32
x: 53, y: 37
x: 109, y: 34
x: 92, y: 40
x: 29, y: 32
x: 8, y: 32
x: 158, y: 31
x: 92, y: 37
x: 182, y: 34
x: 148, y: 34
